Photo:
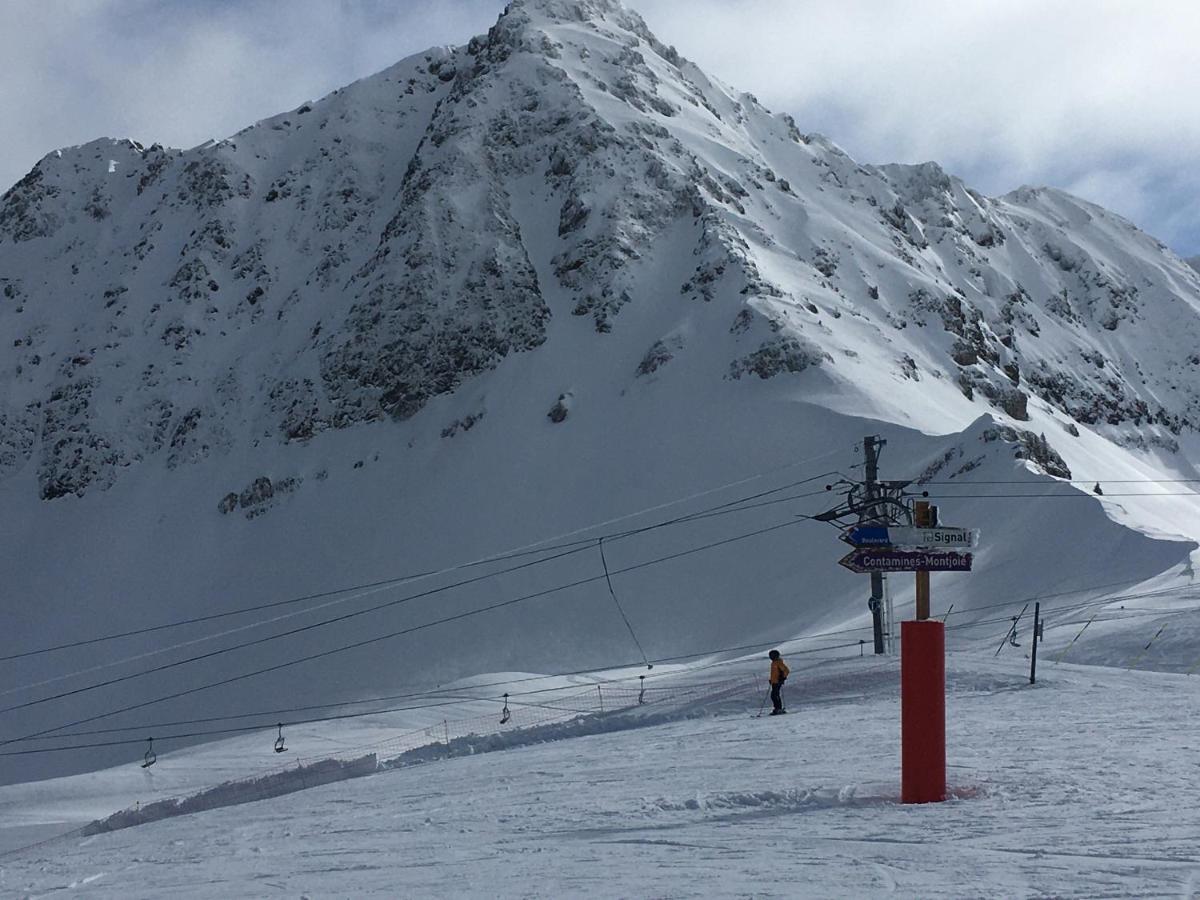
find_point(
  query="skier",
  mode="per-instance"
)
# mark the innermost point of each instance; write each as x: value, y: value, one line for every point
x: 779, y: 674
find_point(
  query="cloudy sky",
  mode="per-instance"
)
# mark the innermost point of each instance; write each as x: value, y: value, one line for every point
x: 1099, y: 97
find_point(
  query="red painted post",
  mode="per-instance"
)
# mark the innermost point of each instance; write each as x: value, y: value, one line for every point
x: 922, y: 711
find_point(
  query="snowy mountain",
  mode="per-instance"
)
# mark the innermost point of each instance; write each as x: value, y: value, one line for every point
x: 349, y: 261
x: 501, y: 292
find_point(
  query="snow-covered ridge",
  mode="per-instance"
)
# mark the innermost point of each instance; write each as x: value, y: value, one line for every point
x: 347, y: 261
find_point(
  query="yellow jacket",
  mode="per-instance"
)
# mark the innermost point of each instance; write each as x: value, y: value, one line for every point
x: 779, y: 671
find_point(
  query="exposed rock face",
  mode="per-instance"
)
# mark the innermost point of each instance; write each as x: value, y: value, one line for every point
x: 561, y: 408
x: 365, y: 255
x: 776, y: 357
x: 960, y: 460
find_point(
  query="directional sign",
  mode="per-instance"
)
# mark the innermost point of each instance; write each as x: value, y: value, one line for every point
x: 892, y: 536
x: 936, y: 536
x: 867, y: 536
x: 868, y: 560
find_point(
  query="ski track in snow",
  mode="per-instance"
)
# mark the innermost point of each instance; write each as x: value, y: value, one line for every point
x: 1081, y: 786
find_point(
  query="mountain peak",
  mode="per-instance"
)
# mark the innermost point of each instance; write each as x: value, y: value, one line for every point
x: 391, y: 247
x: 611, y: 13
x: 570, y: 10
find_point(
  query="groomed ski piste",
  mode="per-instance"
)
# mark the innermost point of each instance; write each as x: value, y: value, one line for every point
x: 1083, y: 784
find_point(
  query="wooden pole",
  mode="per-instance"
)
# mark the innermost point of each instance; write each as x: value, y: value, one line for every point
x: 921, y: 508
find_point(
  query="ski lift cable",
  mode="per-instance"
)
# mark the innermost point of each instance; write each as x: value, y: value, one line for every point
x: 436, y: 693
x: 468, y: 699
x: 274, y: 637
x: 149, y: 654
x: 612, y: 593
x: 1070, y: 481
x: 721, y: 510
x: 528, y: 549
x: 1105, y: 601
x: 242, y: 729
x: 1099, y: 601
x: 375, y: 588
x: 1073, y: 495
x: 377, y: 638
x: 441, y: 691
x: 574, y: 548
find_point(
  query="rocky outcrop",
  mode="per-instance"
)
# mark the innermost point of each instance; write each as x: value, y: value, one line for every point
x: 774, y: 357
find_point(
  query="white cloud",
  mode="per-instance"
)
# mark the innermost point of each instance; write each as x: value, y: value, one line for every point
x: 181, y: 72
x: 1089, y: 95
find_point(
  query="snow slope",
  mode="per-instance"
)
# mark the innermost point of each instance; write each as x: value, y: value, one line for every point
x: 501, y: 293
x: 1075, y: 787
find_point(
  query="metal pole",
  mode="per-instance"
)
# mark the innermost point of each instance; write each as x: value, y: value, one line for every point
x: 871, y: 446
x: 1037, y: 617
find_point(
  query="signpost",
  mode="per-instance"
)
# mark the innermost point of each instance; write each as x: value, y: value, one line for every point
x: 893, y: 536
x: 890, y: 559
x: 868, y: 536
x: 940, y: 536
x: 889, y: 536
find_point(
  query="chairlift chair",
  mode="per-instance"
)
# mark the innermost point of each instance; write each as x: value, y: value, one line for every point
x: 151, y: 757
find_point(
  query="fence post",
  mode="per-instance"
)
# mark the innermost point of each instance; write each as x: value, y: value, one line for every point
x: 1137, y: 659
x: 1074, y: 639
x: 1037, y: 631
x: 600, y: 693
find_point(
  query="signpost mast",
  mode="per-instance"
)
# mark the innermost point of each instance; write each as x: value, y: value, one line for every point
x: 873, y: 514
x: 891, y: 536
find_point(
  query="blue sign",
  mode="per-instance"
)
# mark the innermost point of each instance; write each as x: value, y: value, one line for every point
x: 867, y: 536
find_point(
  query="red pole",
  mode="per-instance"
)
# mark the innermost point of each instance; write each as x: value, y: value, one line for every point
x: 922, y: 711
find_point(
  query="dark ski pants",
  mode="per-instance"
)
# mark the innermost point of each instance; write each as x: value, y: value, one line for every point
x: 776, y: 698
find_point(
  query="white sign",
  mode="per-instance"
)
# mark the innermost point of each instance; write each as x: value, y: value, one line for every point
x: 936, y: 536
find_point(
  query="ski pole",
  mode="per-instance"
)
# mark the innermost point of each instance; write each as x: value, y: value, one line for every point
x: 763, y: 705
